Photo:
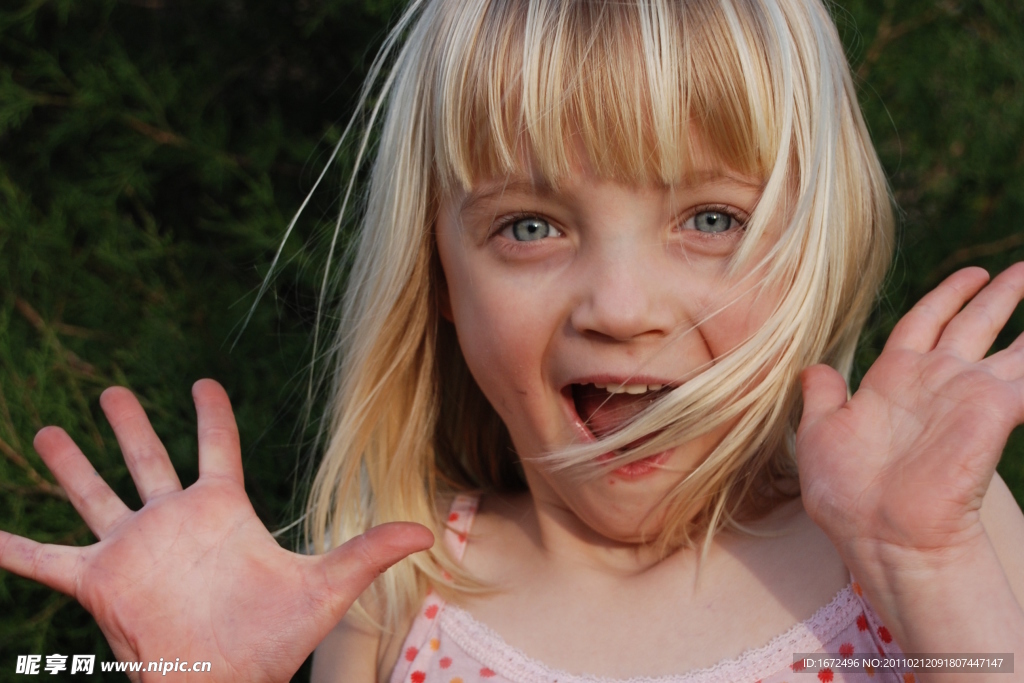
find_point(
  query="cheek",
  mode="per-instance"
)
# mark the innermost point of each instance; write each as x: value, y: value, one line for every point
x: 732, y: 313
x: 500, y: 340
x: 735, y: 323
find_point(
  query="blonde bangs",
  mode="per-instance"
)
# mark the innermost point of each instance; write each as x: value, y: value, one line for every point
x: 531, y: 86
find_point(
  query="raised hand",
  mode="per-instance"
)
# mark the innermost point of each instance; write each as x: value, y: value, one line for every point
x: 907, y: 460
x: 897, y: 474
x: 194, y: 574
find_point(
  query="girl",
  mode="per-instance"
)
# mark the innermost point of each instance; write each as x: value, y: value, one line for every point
x: 614, y: 263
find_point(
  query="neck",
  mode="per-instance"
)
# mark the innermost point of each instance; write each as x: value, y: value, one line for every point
x: 561, y: 536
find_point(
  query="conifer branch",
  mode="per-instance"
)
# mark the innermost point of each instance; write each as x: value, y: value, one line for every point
x: 887, y: 33
x: 163, y: 137
x: 48, y: 329
x: 975, y: 251
x: 41, y: 484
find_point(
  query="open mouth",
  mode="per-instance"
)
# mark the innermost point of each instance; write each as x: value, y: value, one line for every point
x: 603, y: 409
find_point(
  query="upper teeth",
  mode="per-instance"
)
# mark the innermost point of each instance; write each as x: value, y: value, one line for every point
x: 629, y: 388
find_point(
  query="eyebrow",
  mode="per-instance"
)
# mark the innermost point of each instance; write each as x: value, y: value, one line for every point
x: 515, y: 185
x: 544, y: 189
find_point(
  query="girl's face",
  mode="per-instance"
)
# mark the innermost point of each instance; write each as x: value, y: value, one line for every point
x: 561, y: 296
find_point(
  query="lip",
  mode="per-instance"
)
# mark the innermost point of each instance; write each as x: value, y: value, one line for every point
x: 638, y: 468
x: 621, y: 379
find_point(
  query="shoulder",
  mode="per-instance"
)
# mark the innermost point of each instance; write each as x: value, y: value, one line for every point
x: 502, y: 537
x: 1004, y: 524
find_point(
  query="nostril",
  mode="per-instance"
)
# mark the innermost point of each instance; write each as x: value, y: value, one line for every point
x: 623, y: 323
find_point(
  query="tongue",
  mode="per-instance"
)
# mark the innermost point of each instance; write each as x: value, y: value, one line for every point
x: 604, y: 413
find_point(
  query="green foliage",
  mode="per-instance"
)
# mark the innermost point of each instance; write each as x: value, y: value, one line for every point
x: 942, y: 88
x: 150, y: 156
x: 151, y: 153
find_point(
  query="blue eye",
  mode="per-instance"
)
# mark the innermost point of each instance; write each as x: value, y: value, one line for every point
x: 532, y: 229
x: 713, y: 221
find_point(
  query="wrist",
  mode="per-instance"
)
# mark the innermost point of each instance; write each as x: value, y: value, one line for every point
x: 947, y: 600
x: 902, y: 566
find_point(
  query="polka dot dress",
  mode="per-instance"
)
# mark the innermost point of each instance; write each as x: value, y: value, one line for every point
x: 447, y: 645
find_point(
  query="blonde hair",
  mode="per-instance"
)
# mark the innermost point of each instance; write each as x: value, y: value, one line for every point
x: 469, y: 84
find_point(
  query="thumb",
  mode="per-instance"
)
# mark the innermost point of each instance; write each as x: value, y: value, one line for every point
x: 349, y: 569
x: 824, y: 393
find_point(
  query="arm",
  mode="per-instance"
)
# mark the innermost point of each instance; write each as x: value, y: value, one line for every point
x: 194, y: 573
x: 1004, y: 523
x: 967, y: 600
x: 961, y: 601
x: 901, y: 474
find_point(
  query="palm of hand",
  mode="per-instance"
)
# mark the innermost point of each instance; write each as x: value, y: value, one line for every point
x: 149, y: 576
x: 907, y: 460
x: 194, y: 575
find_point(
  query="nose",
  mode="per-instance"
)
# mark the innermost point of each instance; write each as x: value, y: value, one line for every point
x: 624, y: 296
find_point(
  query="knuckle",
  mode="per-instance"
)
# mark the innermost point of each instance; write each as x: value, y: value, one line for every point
x: 220, y: 432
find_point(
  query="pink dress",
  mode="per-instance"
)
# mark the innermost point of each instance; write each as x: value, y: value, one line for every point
x: 447, y: 645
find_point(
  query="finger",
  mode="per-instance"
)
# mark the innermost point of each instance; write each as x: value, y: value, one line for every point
x: 350, y: 569
x: 144, y: 454
x: 920, y: 328
x: 98, y: 505
x: 50, y: 565
x: 824, y: 392
x: 971, y: 332
x: 220, y: 452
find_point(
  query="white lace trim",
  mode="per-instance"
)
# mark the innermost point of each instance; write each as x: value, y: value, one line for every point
x: 480, y: 642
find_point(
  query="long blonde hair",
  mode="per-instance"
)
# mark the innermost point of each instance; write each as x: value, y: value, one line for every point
x: 468, y: 84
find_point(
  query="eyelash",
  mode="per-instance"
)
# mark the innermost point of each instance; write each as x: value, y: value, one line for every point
x: 740, y: 217
x: 511, y: 219
x: 513, y: 246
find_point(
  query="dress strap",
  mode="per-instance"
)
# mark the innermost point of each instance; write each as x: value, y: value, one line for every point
x: 460, y: 520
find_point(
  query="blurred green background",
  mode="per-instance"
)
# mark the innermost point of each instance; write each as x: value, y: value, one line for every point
x: 153, y: 151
